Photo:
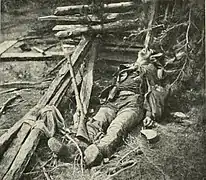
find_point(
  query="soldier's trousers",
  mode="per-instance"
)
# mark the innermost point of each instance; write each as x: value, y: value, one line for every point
x: 113, y: 121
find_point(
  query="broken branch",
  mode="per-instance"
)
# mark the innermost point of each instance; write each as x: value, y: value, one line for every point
x: 3, y: 108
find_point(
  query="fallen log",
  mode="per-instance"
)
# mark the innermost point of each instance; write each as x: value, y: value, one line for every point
x: 106, y: 18
x: 113, y: 7
x: 72, y: 30
x: 29, y: 145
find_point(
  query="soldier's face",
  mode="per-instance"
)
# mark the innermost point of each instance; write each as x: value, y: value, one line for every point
x: 145, y: 54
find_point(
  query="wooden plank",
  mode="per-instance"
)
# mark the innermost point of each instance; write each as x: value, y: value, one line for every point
x: 4, y: 46
x: 24, y: 155
x: 87, y: 83
x: 13, y: 149
x: 8, y: 136
x: 86, y: 90
x: 113, y: 7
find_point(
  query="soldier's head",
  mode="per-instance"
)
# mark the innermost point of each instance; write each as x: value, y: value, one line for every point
x: 144, y: 56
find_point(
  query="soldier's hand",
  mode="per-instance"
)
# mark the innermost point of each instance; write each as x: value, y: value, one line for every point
x: 148, y: 122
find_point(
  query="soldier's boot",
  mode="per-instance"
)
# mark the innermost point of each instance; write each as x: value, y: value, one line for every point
x: 65, y: 152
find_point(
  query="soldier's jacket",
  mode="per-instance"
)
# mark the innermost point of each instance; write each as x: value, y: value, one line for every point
x: 142, y: 80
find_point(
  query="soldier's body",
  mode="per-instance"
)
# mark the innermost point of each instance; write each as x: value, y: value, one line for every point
x: 136, y: 96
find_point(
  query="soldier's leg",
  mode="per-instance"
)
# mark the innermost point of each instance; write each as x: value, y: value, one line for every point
x: 119, y: 127
x: 100, y: 122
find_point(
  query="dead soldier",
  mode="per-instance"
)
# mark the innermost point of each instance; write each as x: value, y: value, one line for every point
x: 135, y: 97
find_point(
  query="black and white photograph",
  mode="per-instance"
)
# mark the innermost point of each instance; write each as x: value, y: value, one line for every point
x: 102, y: 90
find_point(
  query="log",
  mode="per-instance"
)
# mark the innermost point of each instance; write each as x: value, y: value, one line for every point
x: 30, y: 56
x: 107, y: 17
x: 72, y: 30
x: 7, y: 137
x: 31, y: 142
x: 113, y: 7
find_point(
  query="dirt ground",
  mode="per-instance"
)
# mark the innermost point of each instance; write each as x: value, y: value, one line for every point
x: 180, y: 153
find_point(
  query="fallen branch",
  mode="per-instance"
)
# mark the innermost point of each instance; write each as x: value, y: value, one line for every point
x: 3, y: 108
x: 133, y: 150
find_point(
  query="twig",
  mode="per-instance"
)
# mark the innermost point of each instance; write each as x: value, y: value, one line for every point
x: 3, y: 108
x: 123, y: 157
x: 56, y: 67
x: 46, y: 174
x: 180, y: 73
x: 44, y: 169
x: 80, y: 151
x: 188, y: 29
x: 9, y: 90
